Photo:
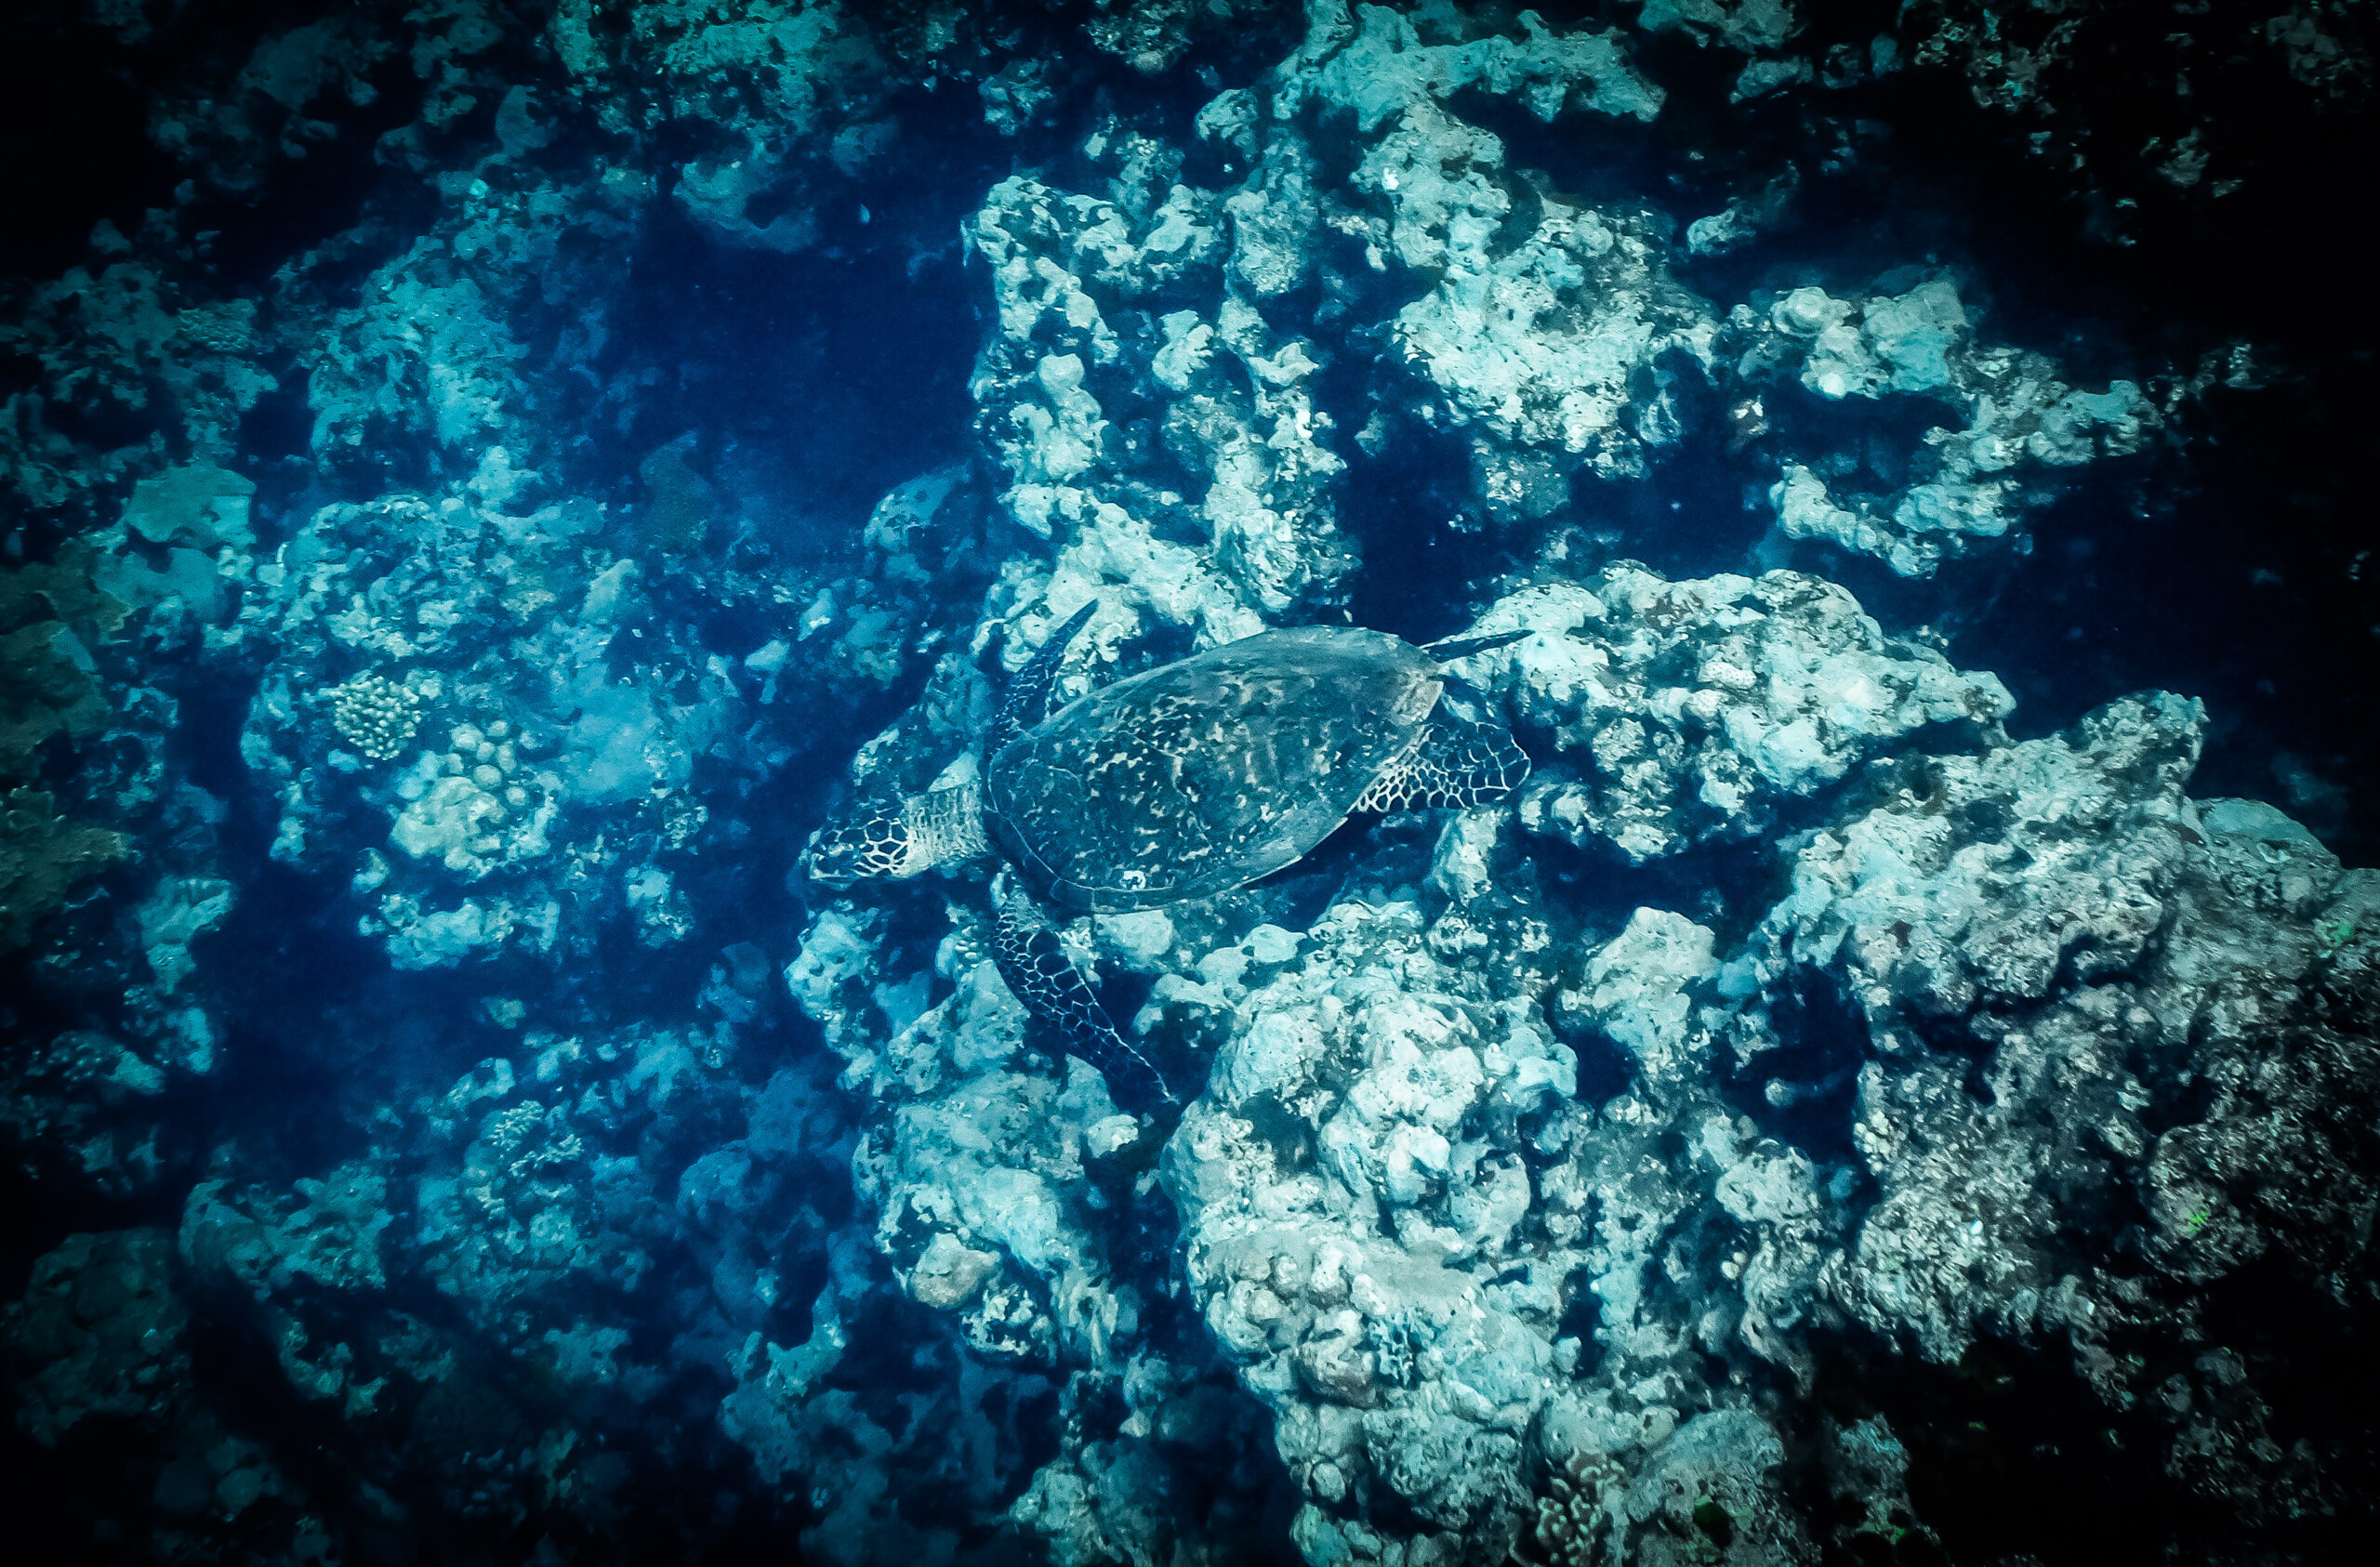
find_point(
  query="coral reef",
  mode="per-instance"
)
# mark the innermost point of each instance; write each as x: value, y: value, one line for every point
x: 500, y: 474
x: 502, y: 626
x: 1216, y: 407
x: 1963, y: 483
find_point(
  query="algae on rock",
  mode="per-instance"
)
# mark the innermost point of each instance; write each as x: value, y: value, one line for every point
x: 42, y: 858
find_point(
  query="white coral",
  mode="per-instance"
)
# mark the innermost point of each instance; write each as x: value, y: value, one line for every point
x: 378, y: 716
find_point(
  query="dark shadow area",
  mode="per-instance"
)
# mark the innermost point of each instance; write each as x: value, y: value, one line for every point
x: 73, y: 137
x: 1698, y: 510
x: 314, y: 200
x: 2007, y: 1454
x: 1805, y: 1091
x: 2247, y: 580
x: 38, y: 1210
x: 2311, y: 1358
x: 1409, y: 509
x: 830, y: 377
x: 2010, y: 1453
x: 1605, y: 1071
x: 1582, y: 1316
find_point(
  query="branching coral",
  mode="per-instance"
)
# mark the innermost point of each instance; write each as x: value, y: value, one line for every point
x: 1573, y: 1524
x: 376, y: 714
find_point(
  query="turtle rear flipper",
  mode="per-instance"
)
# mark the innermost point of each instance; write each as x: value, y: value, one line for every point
x: 1025, y: 947
x: 1453, y: 764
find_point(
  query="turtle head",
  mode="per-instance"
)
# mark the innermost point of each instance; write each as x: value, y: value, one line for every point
x: 870, y: 840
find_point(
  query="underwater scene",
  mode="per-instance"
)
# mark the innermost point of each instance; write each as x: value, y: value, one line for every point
x: 1175, y: 783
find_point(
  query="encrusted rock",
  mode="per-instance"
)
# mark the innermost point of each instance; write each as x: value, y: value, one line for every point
x: 1683, y: 712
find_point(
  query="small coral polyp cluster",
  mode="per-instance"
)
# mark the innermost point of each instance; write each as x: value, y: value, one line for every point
x: 376, y: 714
x: 1828, y: 1091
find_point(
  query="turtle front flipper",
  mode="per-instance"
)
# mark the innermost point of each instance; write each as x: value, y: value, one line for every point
x: 1026, y: 946
x: 1452, y: 764
x: 1026, y: 700
x: 1447, y: 650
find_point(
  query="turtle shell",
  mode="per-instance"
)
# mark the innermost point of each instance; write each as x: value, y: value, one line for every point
x: 1206, y: 773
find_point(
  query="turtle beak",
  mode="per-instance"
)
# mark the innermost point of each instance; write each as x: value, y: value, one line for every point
x: 819, y: 871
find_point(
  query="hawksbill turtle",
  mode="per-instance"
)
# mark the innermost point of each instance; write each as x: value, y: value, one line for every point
x: 1183, y: 781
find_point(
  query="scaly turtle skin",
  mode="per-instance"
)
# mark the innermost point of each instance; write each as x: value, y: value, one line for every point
x: 1185, y: 780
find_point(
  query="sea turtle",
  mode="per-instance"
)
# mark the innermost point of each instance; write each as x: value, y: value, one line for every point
x: 1188, y: 780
